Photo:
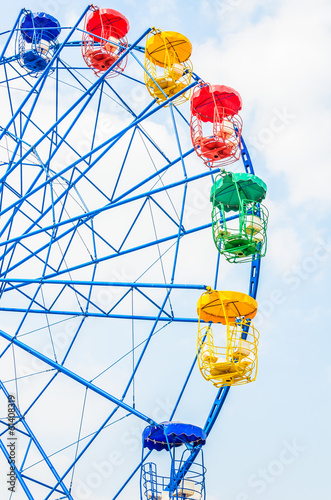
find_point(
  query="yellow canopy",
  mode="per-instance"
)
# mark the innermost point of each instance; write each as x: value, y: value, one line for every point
x: 159, y: 44
x: 223, y: 307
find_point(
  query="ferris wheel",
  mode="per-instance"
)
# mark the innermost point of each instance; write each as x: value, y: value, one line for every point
x: 104, y: 143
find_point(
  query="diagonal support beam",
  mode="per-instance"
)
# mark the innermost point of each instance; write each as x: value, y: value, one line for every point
x: 76, y: 377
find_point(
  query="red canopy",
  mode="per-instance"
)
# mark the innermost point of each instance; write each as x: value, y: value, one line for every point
x: 204, y: 99
x: 109, y: 20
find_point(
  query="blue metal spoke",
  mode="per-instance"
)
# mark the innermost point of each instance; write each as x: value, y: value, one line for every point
x: 170, y: 316
x: 133, y: 224
x: 177, y: 140
x: 11, y: 34
x: 175, y: 319
x: 246, y: 158
x: 165, y: 212
x: 41, y: 78
x: 24, y: 476
x: 142, y: 116
x: 73, y: 376
x: 35, y: 441
x: 116, y: 203
x: 88, y: 92
x: 123, y: 164
x: 18, y: 474
x: 62, y: 228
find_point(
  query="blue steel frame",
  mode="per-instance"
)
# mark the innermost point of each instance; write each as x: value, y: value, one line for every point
x: 48, y: 222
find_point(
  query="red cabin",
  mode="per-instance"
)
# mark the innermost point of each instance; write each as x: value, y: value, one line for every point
x: 215, y: 124
x: 105, y: 40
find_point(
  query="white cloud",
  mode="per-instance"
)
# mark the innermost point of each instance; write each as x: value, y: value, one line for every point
x: 276, y: 56
x: 278, y: 65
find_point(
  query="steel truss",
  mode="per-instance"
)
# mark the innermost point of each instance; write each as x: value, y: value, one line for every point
x: 57, y: 251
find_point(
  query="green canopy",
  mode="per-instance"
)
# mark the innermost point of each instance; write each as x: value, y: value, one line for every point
x: 249, y: 186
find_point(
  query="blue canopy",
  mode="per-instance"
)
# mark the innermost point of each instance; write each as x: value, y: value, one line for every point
x: 38, y: 25
x: 174, y: 433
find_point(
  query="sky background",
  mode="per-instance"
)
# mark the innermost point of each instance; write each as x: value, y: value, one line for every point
x: 272, y: 439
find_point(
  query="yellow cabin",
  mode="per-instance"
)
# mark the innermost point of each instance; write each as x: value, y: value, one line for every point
x: 231, y: 357
x: 167, y: 66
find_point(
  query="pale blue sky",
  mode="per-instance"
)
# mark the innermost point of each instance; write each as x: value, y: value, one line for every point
x: 272, y: 439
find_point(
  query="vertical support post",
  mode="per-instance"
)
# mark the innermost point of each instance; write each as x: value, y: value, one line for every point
x: 246, y: 158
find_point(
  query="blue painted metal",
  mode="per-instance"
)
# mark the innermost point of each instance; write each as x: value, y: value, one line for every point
x: 224, y: 391
x: 126, y: 482
x: 216, y: 408
x: 59, y: 175
x: 102, y: 314
x: 106, y: 283
x: 254, y: 278
x: 169, y: 434
x: 33, y: 480
x: 256, y: 263
x: 73, y: 376
x: 11, y: 33
x: 114, y: 255
x: 178, y: 140
x: 116, y: 203
x: 77, y: 43
x: 18, y: 474
x: 246, y: 158
x: 54, y: 226
x: 36, y: 442
x: 42, y: 76
x: 88, y: 92
x: 109, y: 142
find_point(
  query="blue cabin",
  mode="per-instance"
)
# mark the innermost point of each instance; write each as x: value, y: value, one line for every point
x: 37, y: 41
x: 185, y: 478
